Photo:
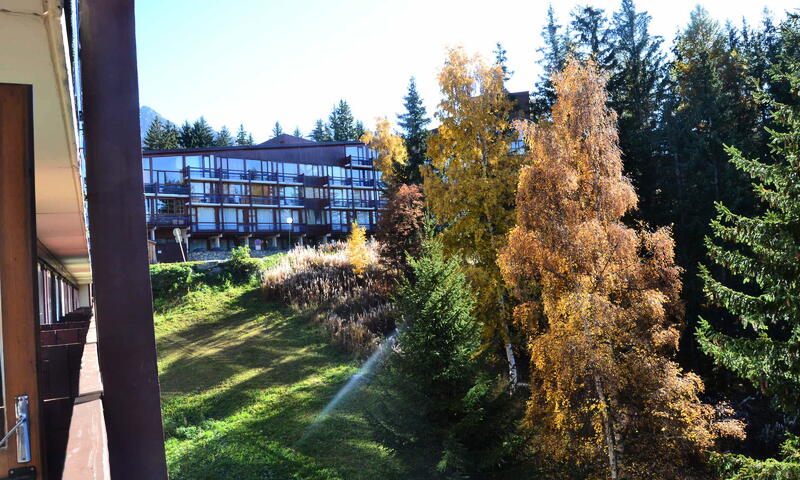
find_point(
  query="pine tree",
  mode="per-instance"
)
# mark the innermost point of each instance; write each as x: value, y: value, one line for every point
x: 154, y: 139
x: 601, y: 303
x: 242, y: 137
x: 359, y: 130
x: 470, y: 182
x: 341, y: 123
x: 321, y: 132
x: 223, y: 138
x: 415, y: 135
x: 500, y: 59
x: 171, y: 139
x: 202, y: 134
x: 554, y: 55
x: 297, y: 132
x: 277, y: 130
x: 186, y: 135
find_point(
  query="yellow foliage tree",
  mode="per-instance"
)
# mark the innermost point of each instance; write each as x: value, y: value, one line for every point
x: 356, y: 250
x: 600, y: 303
x: 390, y: 148
x: 471, y: 180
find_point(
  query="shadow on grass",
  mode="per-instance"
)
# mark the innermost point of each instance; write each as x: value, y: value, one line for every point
x: 243, y: 381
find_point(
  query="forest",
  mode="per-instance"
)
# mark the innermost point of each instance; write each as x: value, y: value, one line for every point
x: 604, y: 283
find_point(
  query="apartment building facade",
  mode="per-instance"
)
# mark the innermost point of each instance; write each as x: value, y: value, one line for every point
x: 283, y: 192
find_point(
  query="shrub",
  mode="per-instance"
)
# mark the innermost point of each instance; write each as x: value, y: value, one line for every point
x: 169, y: 280
x: 353, y: 309
x: 241, y: 267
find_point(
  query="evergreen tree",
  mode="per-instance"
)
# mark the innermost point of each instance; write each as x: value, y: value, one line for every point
x: 223, y: 138
x: 500, y: 58
x: 438, y: 375
x: 415, y: 135
x: 341, y: 123
x: 763, y: 251
x: 358, y: 130
x: 186, y: 135
x: 710, y: 105
x: 637, y: 89
x: 557, y: 46
x: 242, y: 137
x: 761, y: 295
x: 154, y: 139
x: 297, y: 132
x: 202, y: 134
x: 591, y: 35
x: 277, y: 130
x: 171, y: 136
x: 321, y: 132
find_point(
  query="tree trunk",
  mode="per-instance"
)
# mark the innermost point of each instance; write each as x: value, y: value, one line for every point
x: 608, y: 428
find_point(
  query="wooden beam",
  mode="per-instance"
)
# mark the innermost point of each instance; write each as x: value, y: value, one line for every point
x: 126, y: 343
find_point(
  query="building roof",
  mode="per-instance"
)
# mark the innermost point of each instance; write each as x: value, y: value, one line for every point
x: 286, y: 139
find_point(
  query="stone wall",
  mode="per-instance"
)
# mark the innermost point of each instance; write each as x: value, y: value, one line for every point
x: 207, y: 255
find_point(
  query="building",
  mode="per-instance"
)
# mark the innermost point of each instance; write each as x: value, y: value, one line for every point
x: 80, y: 396
x: 285, y: 191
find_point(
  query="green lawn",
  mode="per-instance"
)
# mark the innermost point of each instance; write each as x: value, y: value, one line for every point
x: 242, y: 381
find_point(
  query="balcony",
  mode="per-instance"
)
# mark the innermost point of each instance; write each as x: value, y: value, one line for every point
x: 199, y: 173
x: 236, y: 227
x: 362, y: 183
x: 336, y: 228
x: 168, y: 189
x: 314, y: 181
x: 315, y: 203
x: 159, y: 220
x: 291, y: 201
x: 357, y: 162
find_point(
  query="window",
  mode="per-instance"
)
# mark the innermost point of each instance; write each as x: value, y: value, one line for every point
x: 253, y: 165
x: 291, y: 192
x: 168, y: 163
x: 290, y: 169
x: 355, y: 151
x: 236, y: 164
x: 363, y: 218
x: 170, y: 206
x: 205, y: 218
x: 315, y: 217
x: 194, y: 161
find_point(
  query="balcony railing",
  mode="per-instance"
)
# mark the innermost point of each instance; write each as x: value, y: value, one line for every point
x: 258, y: 227
x: 362, y: 162
x: 168, y: 220
x: 166, y: 189
x: 244, y: 175
x: 346, y: 228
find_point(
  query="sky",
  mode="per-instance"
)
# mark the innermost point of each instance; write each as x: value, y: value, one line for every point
x: 256, y: 62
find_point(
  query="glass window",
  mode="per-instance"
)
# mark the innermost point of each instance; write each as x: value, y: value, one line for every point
x: 194, y: 161
x: 363, y: 218
x: 253, y: 165
x: 168, y: 163
x: 235, y: 164
x: 145, y: 162
x: 355, y: 151
x: 290, y: 168
x: 146, y: 176
x: 290, y: 191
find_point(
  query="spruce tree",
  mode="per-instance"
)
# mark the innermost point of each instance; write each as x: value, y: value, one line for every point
x: 223, y: 138
x: 321, y: 132
x: 154, y: 139
x: 761, y: 295
x: 415, y: 135
x: 557, y: 46
x: 171, y: 136
x: 500, y: 58
x: 277, y: 130
x: 242, y: 137
x: 341, y: 123
x: 202, y: 134
x: 186, y: 135
x: 297, y: 132
x: 762, y: 251
x: 591, y: 35
x: 637, y: 89
x: 358, y: 130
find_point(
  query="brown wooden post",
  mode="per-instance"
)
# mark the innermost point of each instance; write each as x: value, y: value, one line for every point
x: 126, y: 343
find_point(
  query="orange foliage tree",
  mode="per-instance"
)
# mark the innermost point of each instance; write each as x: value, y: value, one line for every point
x: 600, y: 304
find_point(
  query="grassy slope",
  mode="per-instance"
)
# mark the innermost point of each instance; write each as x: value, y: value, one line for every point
x: 243, y: 380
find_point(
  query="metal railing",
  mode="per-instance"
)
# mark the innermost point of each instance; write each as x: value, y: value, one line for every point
x: 166, y: 189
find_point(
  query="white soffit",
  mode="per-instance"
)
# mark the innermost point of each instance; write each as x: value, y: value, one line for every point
x: 34, y: 51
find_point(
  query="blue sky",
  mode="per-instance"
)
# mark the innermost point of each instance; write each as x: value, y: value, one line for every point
x: 260, y: 61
